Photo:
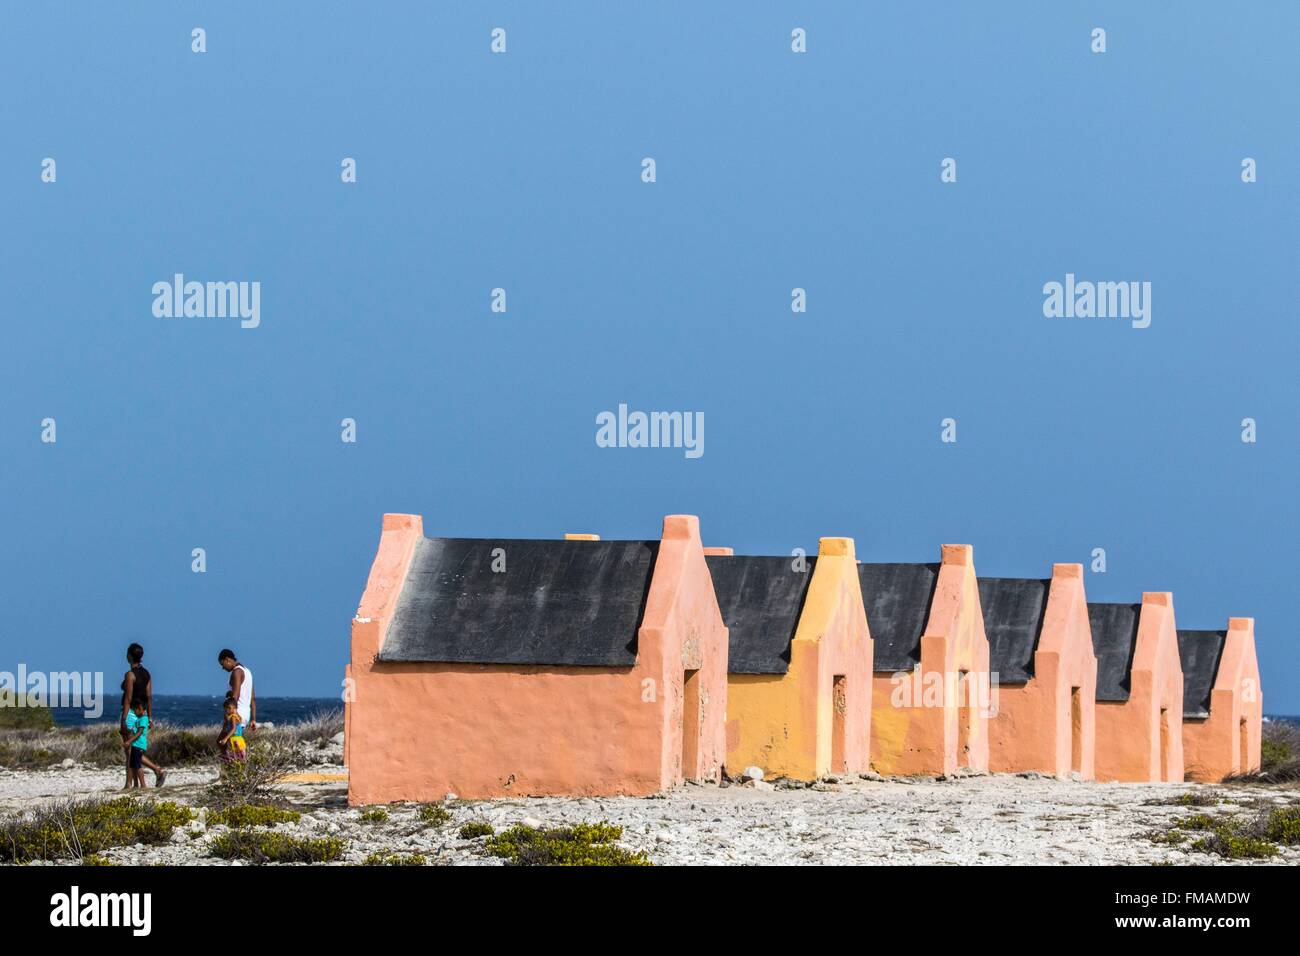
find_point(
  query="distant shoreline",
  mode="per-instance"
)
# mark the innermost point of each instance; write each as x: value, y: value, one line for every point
x: 197, y: 709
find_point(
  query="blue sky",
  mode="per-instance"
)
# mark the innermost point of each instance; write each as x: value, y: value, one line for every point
x: 522, y: 171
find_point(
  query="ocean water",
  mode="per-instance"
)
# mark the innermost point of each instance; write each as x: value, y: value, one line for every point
x: 197, y: 709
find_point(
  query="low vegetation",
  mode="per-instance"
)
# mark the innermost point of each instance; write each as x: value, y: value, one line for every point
x: 18, y: 713
x: 1193, y: 798
x: 77, y: 829
x: 433, y: 814
x: 29, y: 740
x: 475, y: 829
x: 585, y: 844
x: 1279, y: 755
x: 385, y: 858
x: 269, y: 846
x: 1236, y: 836
x: 250, y: 781
x: 251, y: 815
x: 374, y: 815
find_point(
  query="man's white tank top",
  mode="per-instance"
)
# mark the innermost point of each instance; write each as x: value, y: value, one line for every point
x: 245, y: 703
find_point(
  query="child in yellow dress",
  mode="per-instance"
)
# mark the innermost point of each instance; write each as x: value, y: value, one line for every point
x: 234, y: 749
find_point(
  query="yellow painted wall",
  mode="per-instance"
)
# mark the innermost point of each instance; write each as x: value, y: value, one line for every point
x: 916, y: 731
x: 784, y: 723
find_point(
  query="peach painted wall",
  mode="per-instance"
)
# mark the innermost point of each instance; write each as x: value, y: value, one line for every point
x: 417, y: 731
x: 1034, y: 728
x: 1212, y: 747
x: 1141, y: 740
x: 928, y: 726
x: 785, y: 723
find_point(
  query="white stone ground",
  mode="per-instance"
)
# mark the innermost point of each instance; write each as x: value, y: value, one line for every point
x: 970, y: 820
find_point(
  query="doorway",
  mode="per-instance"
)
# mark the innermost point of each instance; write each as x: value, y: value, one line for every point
x: 1243, y: 735
x: 965, y: 714
x: 690, y: 724
x: 1076, y: 730
x: 1164, y: 745
x: 839, y: 717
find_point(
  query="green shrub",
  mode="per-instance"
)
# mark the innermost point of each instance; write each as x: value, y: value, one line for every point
x: 80, y: 828
x: 252, y: 815
x: 17, y: 713
x: 251, y: 780
x: 385, y: 858
x: 476, y: 829
x: 585, y: 844
x: 176, y: 746
x: 1197, y: 798
x: 1279, y: 755
x: 1282, y: 825
x: 1200, y: 822
x: 1170, y: 838
x: 269, y: 846
x: 96, y: 860
x: 1273, y: 753
x: 433, y: 814
x: 1237, y: 837
x: 1234, y: 846
x: 374, y: 815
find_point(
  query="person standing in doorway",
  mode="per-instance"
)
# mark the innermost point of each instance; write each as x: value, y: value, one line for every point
x: 241, y: 688
x: 137, y: 688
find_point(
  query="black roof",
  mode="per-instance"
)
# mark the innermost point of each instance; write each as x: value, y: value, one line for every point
x: 1013, y: 617
x: 1200, y: 653
x: 897, y: 598
x: 1114, y: 639
x: 556, y: 602
x: 761, y: 599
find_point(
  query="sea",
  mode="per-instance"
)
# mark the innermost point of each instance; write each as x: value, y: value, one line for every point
x: 188, y: 710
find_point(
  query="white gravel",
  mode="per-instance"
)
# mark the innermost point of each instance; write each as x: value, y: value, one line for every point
x: 973, y: 820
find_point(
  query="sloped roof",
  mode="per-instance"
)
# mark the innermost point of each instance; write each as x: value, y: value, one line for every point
x: 761, y: 599
x: 1013, y: 617
x: 1114, y: 639
x: 1199, y: 653
x: 556, y: 602
x: 897, y: 598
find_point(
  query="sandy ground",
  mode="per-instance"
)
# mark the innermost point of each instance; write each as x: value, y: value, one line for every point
x: 972, y: 820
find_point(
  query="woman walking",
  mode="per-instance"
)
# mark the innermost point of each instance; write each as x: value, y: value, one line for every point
x: 137, y: 688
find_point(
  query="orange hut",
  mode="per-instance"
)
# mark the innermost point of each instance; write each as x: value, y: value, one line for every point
x: 1223, y: 705
x: 930, y: 699
x: 487, y: 667
x: 1139, y: 690
x: 1041, y: 656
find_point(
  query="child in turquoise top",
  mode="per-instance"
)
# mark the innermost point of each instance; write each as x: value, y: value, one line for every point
x: 137, y: 728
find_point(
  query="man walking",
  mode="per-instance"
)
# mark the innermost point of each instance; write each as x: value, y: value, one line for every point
x: 241, y: 687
